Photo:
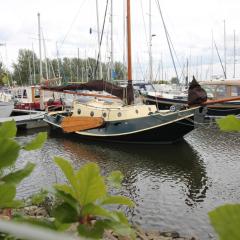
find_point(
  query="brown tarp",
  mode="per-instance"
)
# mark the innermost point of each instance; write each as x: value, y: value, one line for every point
x: 99, y: 85
x: 196, y: 94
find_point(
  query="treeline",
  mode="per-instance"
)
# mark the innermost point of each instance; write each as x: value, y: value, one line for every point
x: 26, y: 70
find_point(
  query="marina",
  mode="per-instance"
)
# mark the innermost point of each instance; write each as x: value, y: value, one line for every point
x: 174, y: 186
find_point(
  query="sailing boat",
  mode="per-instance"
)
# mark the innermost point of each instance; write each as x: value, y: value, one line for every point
x: 114, y: 121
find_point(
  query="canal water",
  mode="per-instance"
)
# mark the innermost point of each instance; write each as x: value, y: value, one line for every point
x: 173, y: 186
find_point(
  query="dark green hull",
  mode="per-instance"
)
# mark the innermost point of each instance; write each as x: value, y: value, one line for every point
x: 154, y: 128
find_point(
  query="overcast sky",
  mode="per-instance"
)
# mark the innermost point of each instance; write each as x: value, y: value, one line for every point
x: 67, y: 23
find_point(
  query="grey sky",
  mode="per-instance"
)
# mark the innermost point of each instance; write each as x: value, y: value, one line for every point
x: 189, y: 23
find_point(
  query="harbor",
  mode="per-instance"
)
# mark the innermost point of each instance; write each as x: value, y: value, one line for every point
x: 174, y: 186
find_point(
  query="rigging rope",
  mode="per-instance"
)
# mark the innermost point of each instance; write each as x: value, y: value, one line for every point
x: 224, y: 72
x: 167, y: 37
x: 104, y: 20
x: 144, y: 24
x: 74, y: 19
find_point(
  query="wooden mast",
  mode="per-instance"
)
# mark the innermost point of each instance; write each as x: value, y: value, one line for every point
x: 129, y: 89
x: 129, y: 47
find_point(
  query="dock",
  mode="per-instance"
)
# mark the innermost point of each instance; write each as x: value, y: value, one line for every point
x: 34, y: 119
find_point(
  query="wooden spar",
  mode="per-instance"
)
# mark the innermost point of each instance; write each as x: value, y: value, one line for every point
x: 222, y: 100
x: 83, y: 94
x: 129, y: 46
x: 74, y: 124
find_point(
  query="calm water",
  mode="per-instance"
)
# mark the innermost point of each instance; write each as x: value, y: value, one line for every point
x: 174, y: 186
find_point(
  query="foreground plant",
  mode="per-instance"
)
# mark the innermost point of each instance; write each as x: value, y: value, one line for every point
x: 226, y: 219
x: 9, y: 152
x: 229, y: 123
x: 84, y: 199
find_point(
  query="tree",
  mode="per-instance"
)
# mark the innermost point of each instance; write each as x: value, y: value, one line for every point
x: 120, y: 71
x: 4, y: 75
x: 23, y: 69
x: 71, y: 69
x: 174, y: 80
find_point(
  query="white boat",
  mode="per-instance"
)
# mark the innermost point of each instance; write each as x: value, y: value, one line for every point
x: 6, y: 109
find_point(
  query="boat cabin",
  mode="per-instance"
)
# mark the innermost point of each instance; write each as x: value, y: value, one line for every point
x: 217, y: 89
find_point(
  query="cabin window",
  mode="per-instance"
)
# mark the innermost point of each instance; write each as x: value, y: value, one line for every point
x: 210, y: 90
x: 91, y: 114
x: 79, y: 111
x: 221, y: 91
x: 37, y: 93
x: 119, y: 114
x: 137, y: 111
x: 149, y: 109
x: 235, y: 91
x: 24, y: 93
x: 104, y: 114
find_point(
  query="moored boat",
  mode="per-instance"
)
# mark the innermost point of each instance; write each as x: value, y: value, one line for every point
x: 6, y: 109
x: 134, y: 123
x: 216, y: 90
x: 126, y: 121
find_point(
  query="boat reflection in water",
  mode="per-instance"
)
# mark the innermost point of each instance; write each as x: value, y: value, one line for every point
x: 168, y: 183
x: 163, y: 180
x: 178, y: 164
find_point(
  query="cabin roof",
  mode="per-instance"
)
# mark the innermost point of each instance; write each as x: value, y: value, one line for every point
x: 227, y: 82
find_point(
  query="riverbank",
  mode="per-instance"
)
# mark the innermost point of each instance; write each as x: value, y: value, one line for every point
x: 141, y: 234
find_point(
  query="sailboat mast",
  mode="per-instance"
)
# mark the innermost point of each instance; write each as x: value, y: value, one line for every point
x: 234, y: 53
x: 33, y: 62
x: 124, y: 36
x: 40, y: 47
x: 150, y: 42
x: 40, y: 59
x: 112, y: 67
x: 129, y: 46
x: 99, y: 43
x: 225, y: 52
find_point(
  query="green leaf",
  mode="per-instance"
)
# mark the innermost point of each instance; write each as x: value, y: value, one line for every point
x: 7, y: 195
x: 30, y: 232
x: 37, y: 222
x: 229, y: 123
x: 95, y: 232
x: 95, y: 210
x: 18, y: 176
x: 39, y: 197
x: 8, y: 152
x: 121, y: 229
x: 8, y: 129
x: 67, y: 198
x: 68, y: 171
x: 121, y: 217
x: 65, y: 188
x: 13, y: 204
x: 115, y: 178
x: 91, y: 184
x: 65, y: 213
x: 226, y: 221
x: 37, y: 142
x: 117, y: 200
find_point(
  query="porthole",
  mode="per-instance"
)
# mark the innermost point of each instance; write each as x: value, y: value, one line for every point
x: 91, y: 114
x: 149, y: 109
x: 137, y: 111
x: 119, y: 114
x: 104, y: 114
x: 79, y: 111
